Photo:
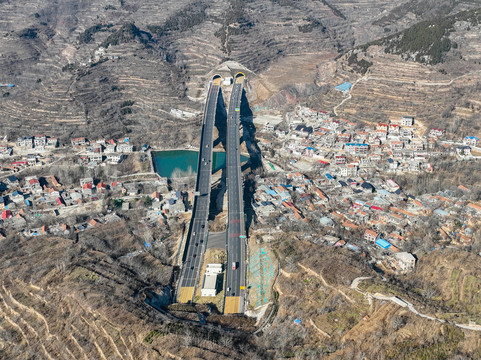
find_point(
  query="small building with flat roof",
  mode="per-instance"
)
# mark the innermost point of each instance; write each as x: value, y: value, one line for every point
x: 209, y: 285
x: 383, y: 243
x: 213, y: 269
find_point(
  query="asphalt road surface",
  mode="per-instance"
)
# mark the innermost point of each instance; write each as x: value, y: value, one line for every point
x: 197, y: 235
x: 236, y: 242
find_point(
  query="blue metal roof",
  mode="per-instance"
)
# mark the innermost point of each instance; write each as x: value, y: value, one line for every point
x: 343, y: 87
x: 383, y: 243
x: 356, y: 144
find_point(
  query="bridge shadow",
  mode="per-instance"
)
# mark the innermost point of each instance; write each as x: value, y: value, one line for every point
x: 219, y: 187
x: 255, y: 160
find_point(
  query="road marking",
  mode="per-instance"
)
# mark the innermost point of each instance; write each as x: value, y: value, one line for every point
x: 231, y: 305
x: 185, y: 294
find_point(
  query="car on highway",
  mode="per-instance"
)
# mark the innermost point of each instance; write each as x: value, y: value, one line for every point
x: 234, y: 265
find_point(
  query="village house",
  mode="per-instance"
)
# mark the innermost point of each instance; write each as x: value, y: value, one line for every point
x: 382, y: 126
x: 470, y: 140
x: 344, y: 137
x: 393, y: 164
x: 114, y: 158
x: 406, y: 261
x: 32, y: 184
x: 79, y: 142
x: 31, y: 159
x: 268, y: 127
x: 52, y: 143
x: 5, y: 150
x: 95, y: 157
x: 116, y: 186
x: 394, y: 129
x: 125, y: 148
x: 96, y: 148
x: 463, y: 151
x: 380, y: 134
x: 11, y: 181
x: 435, y: 132
x: 397, y: 145
x: 356, y: 148
x: 87, y: 180
x: 406, y: 133
x: 17, y: 197
x: 371, y: 235
x: 40, y: 141
x: 110, y: 148
x: 25, y: 142
x: 101, y: 188
x: 303, y: 131
x: 416, y: 145
x: 88, y: 189
x: 348, y: 170
x: 407, y: 121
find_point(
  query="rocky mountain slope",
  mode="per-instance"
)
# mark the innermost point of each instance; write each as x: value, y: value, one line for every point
x: 157, y: 53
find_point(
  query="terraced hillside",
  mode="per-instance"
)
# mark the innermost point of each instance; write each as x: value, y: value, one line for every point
x: 320, y: 316
x: 455, y: 286
x: 164, y: 49
x: 387, y: 86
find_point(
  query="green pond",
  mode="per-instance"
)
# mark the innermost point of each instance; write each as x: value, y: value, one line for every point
x: 181, y: 163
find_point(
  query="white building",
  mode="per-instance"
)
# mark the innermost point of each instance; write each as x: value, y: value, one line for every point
x: 110, y: 148
x: 228, y: 81
x: 209, y: 286
x: 470, y: 140
x: 268, y: 127
x: 114, y: 158
x: 125, y: 148
x: 213, y: 269
x: 406, y: 261
x: 407, y: 121
x: 25, y: 142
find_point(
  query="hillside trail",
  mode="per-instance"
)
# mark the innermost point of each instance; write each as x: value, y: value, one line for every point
x: 324, y: 282
x: 407, y: 305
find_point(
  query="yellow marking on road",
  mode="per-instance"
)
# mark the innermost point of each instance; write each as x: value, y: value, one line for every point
x: 231, y: 305
x: 185, y: 295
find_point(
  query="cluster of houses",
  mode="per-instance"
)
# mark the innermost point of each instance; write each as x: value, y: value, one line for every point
x: 32, y: 151
x: 374, y: 214
x: 97, y: 151
x: 35, y: 197
x: 392, y: 146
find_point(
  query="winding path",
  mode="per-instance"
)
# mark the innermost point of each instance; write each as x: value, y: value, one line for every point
x: 405, y: 304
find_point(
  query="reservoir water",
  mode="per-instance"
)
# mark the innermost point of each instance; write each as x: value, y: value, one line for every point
x: 181, y: 163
